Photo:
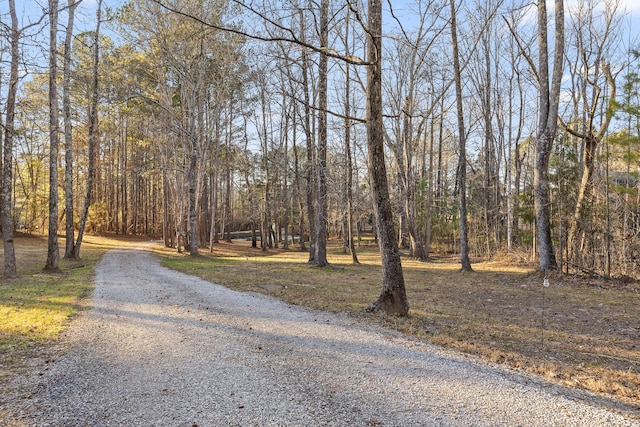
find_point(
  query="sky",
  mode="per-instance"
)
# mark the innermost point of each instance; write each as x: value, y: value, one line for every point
x: 86, y: 11
x: 31, y: 10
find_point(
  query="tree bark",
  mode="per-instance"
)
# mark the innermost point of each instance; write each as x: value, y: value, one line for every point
x: 191, y: 176
x: 393, y: 298
x: 69, y: 251
x: 462, y: 159
x: 347, y: 149
x: 93, y: 130
x: 320, y: 258
x: 53, y: 253
x: 7, y: 158
x: 547, y: 126
x: 310, y: 172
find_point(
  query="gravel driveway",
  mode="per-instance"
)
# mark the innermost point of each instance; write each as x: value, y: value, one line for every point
x: 160, y: 348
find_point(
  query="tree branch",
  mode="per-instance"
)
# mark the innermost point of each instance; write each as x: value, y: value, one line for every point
x: 292, y: 39
x: 522, y: 50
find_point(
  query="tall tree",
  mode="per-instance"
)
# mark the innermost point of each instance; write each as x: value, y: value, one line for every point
x: 320, y: 258
x: 513, y: 158
x: 347, y: 148
x: 393, y: 298
x: 93, y: 131
x: 462, y: 146
x: 310, y: 173
x: 53, y: 252
x: 69, y: 251
x: 549, y: 100
x: 411, y: 67
x: 7, y: 158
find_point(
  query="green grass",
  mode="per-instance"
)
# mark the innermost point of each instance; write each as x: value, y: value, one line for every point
x: 36, y: 307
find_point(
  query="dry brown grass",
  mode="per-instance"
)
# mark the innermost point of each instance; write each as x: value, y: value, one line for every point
x: 591, y: 334
x: 591, y: 337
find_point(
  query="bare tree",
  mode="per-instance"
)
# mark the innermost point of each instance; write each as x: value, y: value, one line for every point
x: 310, y: 172
x: 411, y: 68
x: 393, y: 298
x: 69, y: 251
x: 513, y: 158
x: 93, y: 131
x: 7, y: 158
x: 320, y: 258
x: 549, y: 99
x: 592, y: 45
x: 53, y: 253
x: 347, y: 148
x: 462, y: 140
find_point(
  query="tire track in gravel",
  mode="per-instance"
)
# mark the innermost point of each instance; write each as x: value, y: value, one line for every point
x: 161, y: 348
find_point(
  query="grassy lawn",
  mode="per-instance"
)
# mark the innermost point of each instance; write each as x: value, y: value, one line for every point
x: 590, y: 340
x: 591, y: 335
x: 36, y: 307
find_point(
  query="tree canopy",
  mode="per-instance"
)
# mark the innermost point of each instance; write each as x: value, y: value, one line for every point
x: 291, y: 122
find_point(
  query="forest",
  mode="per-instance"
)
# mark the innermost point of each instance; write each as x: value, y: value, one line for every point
x: 432, y: 126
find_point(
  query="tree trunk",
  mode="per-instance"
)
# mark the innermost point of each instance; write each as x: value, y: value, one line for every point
x: 310, y: 172
x: 592, y: 139
x: 7, y: 158
x: 393, y: 298
x: 296, y: 171
x: 228, y: 181
x: 320, y: 258
x: 549, y: 100
x: 212, y: 210
x: 462, y: 159
x: 415, y: 244
x: 264, y: 223
x: 69, y: 251
x: 427, y: 240
x: 213, y: 230
x: 124, y: 192
x: 93, y: 130
x: 285, y: 187
x: 191, y: 176
x: 542, y: 204
x: 53, y: 253
x: 584, y: 192
x: 347, y: 149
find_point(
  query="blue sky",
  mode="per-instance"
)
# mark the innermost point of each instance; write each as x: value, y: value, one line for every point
x: 30, y: 10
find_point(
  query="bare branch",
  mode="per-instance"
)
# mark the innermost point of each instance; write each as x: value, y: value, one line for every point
x: 524, y: 53
x: 291, y: 39
x: 398, y: 21
x: 333, y: 113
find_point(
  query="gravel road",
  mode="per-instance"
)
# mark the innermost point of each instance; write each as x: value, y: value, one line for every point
x: 161, y: 348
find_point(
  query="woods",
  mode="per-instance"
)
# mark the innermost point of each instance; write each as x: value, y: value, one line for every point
x: 433, y: 127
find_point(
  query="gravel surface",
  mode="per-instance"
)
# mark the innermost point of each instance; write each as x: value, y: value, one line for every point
x: 161, y: 348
